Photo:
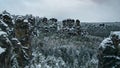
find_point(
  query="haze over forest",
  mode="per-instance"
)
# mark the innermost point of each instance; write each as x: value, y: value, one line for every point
x: 85, y: 10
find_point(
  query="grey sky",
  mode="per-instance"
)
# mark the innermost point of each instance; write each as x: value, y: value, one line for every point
x: 85, y: 10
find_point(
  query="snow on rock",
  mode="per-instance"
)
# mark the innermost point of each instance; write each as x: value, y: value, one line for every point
x: 15, y: 39
x: 4, y: 23
x: 108, y: 40
x: 115, y: 33
x: 112, y: 56
x: 3, y: 33
x: 25, y: 20
x: 105, y: 41
x: 2, y: 50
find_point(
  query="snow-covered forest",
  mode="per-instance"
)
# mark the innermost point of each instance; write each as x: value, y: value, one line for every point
x: 38, y: 42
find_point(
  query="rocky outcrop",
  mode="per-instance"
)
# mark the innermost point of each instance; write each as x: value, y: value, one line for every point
x: 16, y: 33
x: 15, y: 39
x: 109, y: 51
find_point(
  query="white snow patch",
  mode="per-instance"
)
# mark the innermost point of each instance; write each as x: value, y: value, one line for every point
x: 105, y: 41
x: 2, y: 33
x: 4, y: 23
x: 25, y: 20
x: 14, y: 39
x: 2, y: 50
x: 116, y: 57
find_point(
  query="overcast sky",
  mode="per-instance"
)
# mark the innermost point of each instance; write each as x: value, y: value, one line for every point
x: 85, y: 10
